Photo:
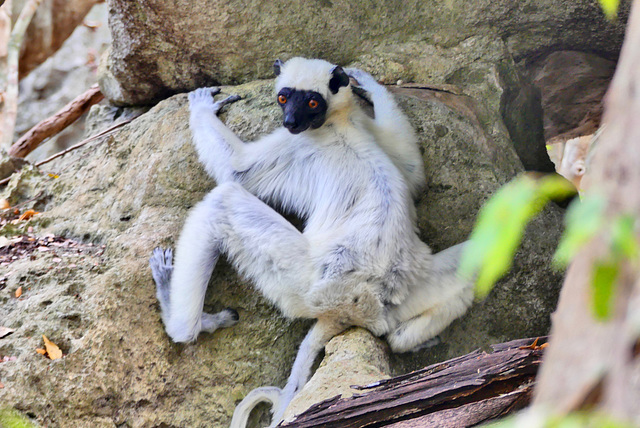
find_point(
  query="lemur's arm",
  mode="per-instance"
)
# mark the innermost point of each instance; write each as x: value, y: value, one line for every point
x: 399, y: 140
x: 216, y: 144
x: 225, y: 156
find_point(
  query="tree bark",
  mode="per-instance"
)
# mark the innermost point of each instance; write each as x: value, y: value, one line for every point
x: 5, y: 34
x: 461, y: 392
x: 10, y: 108
x: 593, y: 363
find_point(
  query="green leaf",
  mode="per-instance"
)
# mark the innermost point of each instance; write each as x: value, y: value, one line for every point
x: 554, y: 187
x: 584, y: 219
x: 603, y: 281
x: 623, y: 238
x: 610, y: 8
x: 11, y: 418
x: 500, y: 227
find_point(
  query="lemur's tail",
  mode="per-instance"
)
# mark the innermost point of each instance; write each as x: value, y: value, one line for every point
x: 269, y: 394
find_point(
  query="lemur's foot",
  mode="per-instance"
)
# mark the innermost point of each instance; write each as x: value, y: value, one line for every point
x: 161, y: 268
x: 223, y: 319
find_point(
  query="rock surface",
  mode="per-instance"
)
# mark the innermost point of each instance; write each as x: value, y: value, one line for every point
x: 130, y: 192
x: 161, y: 48
x: 572, y: 86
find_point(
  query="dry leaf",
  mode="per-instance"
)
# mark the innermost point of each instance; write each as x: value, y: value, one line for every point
x: 53, y: 351
x: 1, y: 385
x: 19, y: 292
x: 4, y: 204
x: 41, y: 351
x: 534, y: 346
x: 27, y: 215
x: 5, y: 331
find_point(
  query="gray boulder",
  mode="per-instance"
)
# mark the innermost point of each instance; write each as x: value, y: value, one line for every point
x: 161, y: 48
x: 131, y: 192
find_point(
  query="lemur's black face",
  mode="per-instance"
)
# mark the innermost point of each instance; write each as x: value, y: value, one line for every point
x: 302, y: 109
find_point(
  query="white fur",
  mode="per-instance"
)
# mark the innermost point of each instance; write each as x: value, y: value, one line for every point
x: 359, y: 260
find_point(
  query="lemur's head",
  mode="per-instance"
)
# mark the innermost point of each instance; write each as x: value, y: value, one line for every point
x: 307, y: 91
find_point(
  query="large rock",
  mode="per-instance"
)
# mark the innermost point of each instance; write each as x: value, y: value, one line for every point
x: 161, y: 48
x: 132, y: 191
x: 572, y: 86
x: 354, y: 357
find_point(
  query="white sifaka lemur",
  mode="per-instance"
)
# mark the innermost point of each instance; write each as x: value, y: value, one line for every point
x: 352, y: 179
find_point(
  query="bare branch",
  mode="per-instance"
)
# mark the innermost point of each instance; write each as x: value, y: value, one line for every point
x: 56, y: 123
x: 86, y: 141
x: 104, y: 133
x: 5, y: 34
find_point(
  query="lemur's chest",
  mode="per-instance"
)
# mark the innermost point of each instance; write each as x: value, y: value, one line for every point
x: 352, y: 181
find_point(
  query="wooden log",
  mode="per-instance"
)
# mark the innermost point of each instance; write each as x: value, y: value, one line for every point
x: 56, y: 123
x: 471, y: 414
x: 459, y: 392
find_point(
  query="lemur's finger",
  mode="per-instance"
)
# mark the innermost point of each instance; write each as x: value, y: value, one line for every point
x: 214, y: 90
x: 230, y: 99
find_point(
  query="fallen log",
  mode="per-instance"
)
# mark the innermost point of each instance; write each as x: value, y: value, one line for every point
x: 56, y: 123
x: 460, y: 392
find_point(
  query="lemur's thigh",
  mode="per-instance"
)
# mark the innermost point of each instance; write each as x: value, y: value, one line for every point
x: 261, y: 243
x: 433, y: 304
x: 258, y: 241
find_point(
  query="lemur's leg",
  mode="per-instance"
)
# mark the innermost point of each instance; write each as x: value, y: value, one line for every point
x: 431, y: 307
x: 260, y: 243
x: 215, y: 143
x: 313, y: 343
x: 161, y: 269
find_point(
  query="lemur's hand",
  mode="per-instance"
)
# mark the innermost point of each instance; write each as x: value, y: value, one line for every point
x: 363, y: 80
x: 203, y: 98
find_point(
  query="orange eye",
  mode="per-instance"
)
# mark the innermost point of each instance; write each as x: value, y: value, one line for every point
x: 282, y: 99
x: 313, y: 104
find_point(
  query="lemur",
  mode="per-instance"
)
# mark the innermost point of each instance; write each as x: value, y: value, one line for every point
x: 352, y: 179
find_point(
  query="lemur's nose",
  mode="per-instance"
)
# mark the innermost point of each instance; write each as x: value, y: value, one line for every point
x: 289, y: 121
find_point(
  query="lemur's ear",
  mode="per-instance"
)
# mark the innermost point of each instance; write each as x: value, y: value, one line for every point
x: 276, y: 67
x: 338, y: 79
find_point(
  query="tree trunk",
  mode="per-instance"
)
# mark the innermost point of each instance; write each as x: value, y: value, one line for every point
x: 10, y: 107
x: 594, y: 363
